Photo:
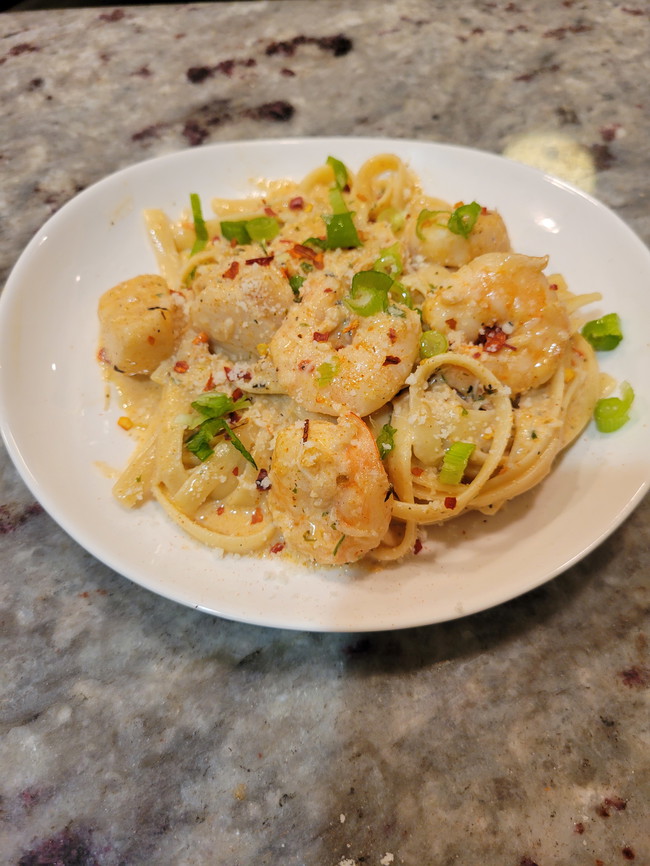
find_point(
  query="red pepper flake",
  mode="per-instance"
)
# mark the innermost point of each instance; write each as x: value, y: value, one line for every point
x: 209, y: 385
x: 269, y: 211
x: 233, y: 242
x: 417, y: 547
x: 102, y: 356
x: 263, y: 482
x: 200, y: 338
x: 391, y: 359
x: 221, y: 509
x: 476, y: 355
x: 451, y: 323
x: 392, y: 335
x: 232, y: 271
x: 296, y: 203
x: 263, y: 261
x: 493, y: 339
x: 305, y: 430
x: 628, y: 853
x: 320, y: 336
x: 235, y: 471
x: 151, y: 340
x: 181, y: 367
x: 257, y: 516
x: 553, y: 287
x: 278, y: 547
x: 417, y: 471
x: 237, y: 393
x: 450, y: 502
x: 300, y: 251
x: 579, y: 828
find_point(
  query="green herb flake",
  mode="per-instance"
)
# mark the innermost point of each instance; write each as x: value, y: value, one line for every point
x: 326, y: 372
x: 386, y: 440
x: 212, y: 409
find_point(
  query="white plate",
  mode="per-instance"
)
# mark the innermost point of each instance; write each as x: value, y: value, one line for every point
x: 57, y: 429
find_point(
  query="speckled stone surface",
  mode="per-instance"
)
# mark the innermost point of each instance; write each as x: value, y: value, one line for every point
x: 134, y: 731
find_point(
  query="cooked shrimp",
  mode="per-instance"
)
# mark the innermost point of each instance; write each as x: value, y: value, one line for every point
x: 329, y: 489
x: 331, y: 360
x: 501, y: 308
x: 241, y: 307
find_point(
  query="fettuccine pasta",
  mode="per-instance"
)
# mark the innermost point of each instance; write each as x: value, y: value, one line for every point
x: 323, y: 369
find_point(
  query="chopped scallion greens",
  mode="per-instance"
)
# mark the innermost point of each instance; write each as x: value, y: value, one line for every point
x: 611, y: 413
x: 263, y: 228
x: 340, y: 172
x: 460, y: 221
x: 255, y: 230
x: 463, y: 219
x: 200, y: 229
x: 337, y: 201
x: 369, y: 293
x: 390, y: 261
x: 454, y: 462
x: 386, y: 440
x: 432, y: 343
x: 341, y: 231
x: 605, y: 333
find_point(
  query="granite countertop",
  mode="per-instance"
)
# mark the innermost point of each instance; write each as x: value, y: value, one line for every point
x: 136, y: 731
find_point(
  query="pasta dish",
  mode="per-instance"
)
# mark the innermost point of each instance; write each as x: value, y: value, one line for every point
x: 328, y: 366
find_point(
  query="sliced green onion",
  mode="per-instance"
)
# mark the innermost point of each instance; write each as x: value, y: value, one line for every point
x: 454, y: 462
x: 341, y: 231
x: 390, y: 261
x: 396, y: 218
x: 424, y: 217
x: 337, y: 201
x: 605, y: 333
x: 386, y: 440
x: 401, y: 294
x: 263, y: 228
x: 200, y: 228
x: 235, y: 230
x: 463, y: 219
x: 340, y: 172
x: 368, y: 293
x: 319, y: 243
x: 460, y: 221
x: 326, y: 372
x: 257, y: 229
x: 611, y: 413
x: 432, y: 343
